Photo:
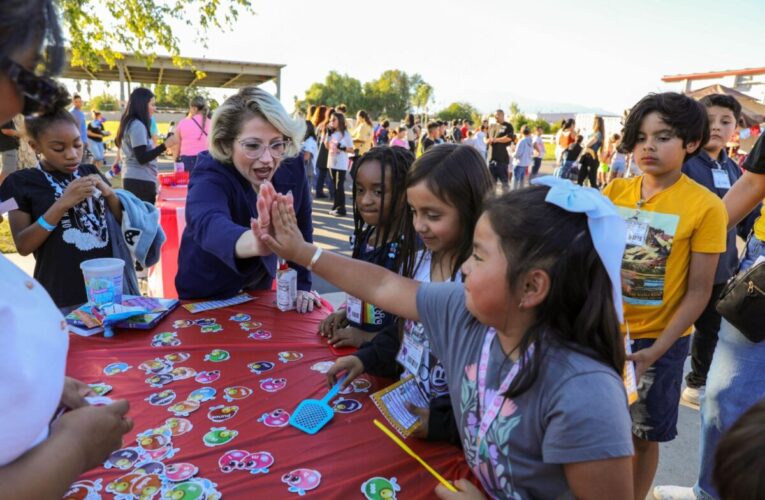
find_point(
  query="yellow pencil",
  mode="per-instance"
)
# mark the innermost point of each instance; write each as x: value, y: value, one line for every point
x: 414, y: 455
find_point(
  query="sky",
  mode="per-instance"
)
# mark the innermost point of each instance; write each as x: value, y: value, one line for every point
x: 547, y: 55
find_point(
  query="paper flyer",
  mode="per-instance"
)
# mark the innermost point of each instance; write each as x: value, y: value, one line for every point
x: 198, y: 307
x: 392, y: 400
x: 630, y: 381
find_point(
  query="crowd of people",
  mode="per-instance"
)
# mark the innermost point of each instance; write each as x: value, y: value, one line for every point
x: 518, y: 302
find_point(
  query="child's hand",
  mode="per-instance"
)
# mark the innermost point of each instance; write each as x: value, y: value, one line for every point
x: 285, y: 238
x: 95, y: 430
x: 332, y: 322
x: 352, y: 365
x: 350, y: 336
x: 423, y: 415
x: 74, y: 393
x: 643, y: 360
x: 102, y: 185
x: 171, y: 142
x: 78, y: 191
x: 466, y: 491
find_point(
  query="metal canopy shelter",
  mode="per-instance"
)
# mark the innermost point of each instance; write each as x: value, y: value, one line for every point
x: 225, y: 74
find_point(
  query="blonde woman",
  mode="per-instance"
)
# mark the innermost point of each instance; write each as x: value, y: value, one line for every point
x: 254, y: 146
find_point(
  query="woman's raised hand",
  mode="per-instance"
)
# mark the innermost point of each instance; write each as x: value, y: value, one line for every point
x: 283, y: 237
x: 266, y: 197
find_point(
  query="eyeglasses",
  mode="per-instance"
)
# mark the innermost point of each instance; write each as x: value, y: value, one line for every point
x: 41, y: 93
x: 254, y: 149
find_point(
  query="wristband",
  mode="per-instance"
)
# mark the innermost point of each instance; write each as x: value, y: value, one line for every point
x: 44, y: 224
x: 315, y: 258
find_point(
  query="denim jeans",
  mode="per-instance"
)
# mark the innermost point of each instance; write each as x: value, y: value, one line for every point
x: 519, y: 175
x: 736, y: 381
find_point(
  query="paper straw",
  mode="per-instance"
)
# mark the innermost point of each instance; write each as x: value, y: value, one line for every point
x: 414, y: 455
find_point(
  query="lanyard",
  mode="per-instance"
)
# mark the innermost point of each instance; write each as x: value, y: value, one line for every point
x: 489, y: 410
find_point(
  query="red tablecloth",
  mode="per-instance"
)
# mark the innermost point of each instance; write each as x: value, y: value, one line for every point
x: 347, y: 452
x: 171, y: 202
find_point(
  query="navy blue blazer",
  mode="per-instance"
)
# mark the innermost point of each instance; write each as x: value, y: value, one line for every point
x: 219, y: 206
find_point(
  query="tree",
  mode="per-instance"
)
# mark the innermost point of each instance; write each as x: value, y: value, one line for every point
x: 104, y: 102
x: 423, y: 94
x: 337, y: 89
x: 459, y: 111
x: 390, y: 94
x: 98, y: 29
x: 178, y: 96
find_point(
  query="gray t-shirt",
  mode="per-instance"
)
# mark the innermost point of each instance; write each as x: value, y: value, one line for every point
x: 137, y: 135
x: 576, y: 411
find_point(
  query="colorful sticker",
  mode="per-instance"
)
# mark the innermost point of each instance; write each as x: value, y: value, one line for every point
x: 357, y: 385
x: 217, y: 356
x: 146, y: 487
x: 260, y: 335
x: 322, y: 366
x: 240, y: 317
x: 232, y: 460
x: 182, y: 372
x: 236, y: 392
x: 273, y: 384
x: 178, y: 426
x: 214, y: 328
x: 343, y: 405
x: 161, y: 398
x: 379, y: 488
x: 180, y: 472
x: 120, y: 487
x: 151, y: 468
x: 161, y: 453
x: 165, y: 339
x: 123, y: 458
x: 182, y: 323
x: 190, y: 490
x: 177, y: 357
x: 258, y: 462
x: 203, y: 394
x: 84, y: 490
x: 250, y: 325
x: 205, y: 321
x: 184, y: 408
x: 100, y: 388
x: 221, y: 413
x: 156, y: 366
x: 277, y: 418
x: 287, y: 356
x: 302, y: 480
x: 154, y: 439
x: 260, y: 367
x: 115, y: 368
x: 207, y: 377
x: 159, y: 380
x: 218, y: 436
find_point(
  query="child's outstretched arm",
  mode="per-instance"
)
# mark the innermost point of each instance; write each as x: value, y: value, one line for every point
x: 368, y: 282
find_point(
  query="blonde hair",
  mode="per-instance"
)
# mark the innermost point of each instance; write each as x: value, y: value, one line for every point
x: 248, y: 103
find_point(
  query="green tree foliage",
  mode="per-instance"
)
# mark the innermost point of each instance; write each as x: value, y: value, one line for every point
x: 98, y: 29
x: 104, y: 102
x: 459, y: 111
x: 337, y: 89
x: 178, y: 97
x: 423, y: 94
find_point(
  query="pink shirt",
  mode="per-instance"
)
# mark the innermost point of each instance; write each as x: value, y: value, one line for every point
x: 399, y: 142
x: 193, y: 140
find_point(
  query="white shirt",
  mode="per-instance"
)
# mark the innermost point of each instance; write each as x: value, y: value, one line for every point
x: 338, y: 160
x: 35, y: 341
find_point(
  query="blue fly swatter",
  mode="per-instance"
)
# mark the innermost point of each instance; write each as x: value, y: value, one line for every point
x: 313, y: 414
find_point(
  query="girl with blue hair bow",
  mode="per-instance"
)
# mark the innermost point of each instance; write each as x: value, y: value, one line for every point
x: 530, y: 341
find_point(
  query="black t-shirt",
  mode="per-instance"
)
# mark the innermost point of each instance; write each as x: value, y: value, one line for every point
x: 8, y: 143
x: 427, y: 143
x: 755, y: 162
x: 96, y: 127
x: 79, y: 236
x: 498, y: 151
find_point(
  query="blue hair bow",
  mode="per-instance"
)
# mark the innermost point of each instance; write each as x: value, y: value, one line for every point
x: 607, y: 228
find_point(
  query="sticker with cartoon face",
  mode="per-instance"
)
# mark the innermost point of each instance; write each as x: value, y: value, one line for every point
x: 115, y: 368
x: 205, y: 321
x: 203, y: 394
x: 277, y: 418
x: 214, y: 328
x: 162, y: 453
x: 150, y: 468
x: 250, y: 325
x: 221, y: 413
x: 343, y: 405
x: 159, y: 380
x: 182, y: 323
x: 207, y: 377
x: 287, y: 356
x: 380, y: 488
x: 146, y: 487
x: 177, y: 357
x: 218, y: 436
x: 165, y: 339
x: 232, y: 460
x: 259, y: 462
x: 180, y: 471
x: 123, y: 459
x: 302, y: 480
x: 184, y: 408
x: 120, y: 487
x: 236, y: 392
x: 260, y: 367
x: 360, y: 384
x: 100, y: 388
x: 153, y: 440
x: 182, y: 372
x: 84, y: 490
x: 260, y: 335
x: 240, y: 317
x: 217, y: 356
x: 156, y: 366
x: 161, y: 398
x: 178, y: 426
x: 273, y: 384
x: 322, y: 366
x: 192, y: 489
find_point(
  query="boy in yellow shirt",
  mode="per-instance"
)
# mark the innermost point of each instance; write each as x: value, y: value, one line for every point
x: 676, y: 230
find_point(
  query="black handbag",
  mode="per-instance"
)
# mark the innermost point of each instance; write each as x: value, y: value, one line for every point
x: 742, y: 302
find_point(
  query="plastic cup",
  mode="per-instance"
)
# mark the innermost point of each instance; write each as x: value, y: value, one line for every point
x: 103, y: 280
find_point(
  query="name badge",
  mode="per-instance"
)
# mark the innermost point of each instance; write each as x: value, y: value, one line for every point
x: 353, y: 309
x: 410, y: 355
x: 721, y: 179
x: 637, y: 232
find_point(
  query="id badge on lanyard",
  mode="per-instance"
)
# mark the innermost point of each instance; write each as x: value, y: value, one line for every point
x: 720, y: 178
x: 353, y: 307
x: 637, y: 230
x: 411, y: 354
